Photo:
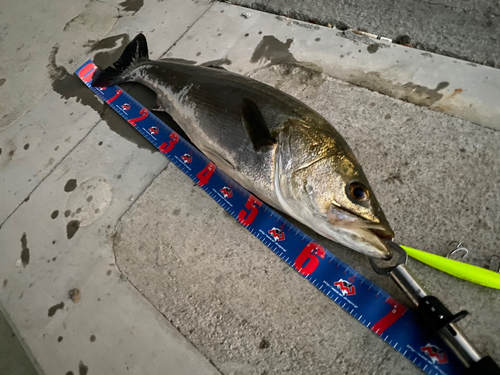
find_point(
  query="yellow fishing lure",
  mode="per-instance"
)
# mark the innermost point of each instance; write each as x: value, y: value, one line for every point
x: 464, y: 271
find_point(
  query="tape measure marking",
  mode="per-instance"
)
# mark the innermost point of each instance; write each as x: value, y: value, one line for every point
x: 361, y: 298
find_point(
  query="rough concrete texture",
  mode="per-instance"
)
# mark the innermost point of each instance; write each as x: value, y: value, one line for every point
x: 13, y: 358
x: 29, y: 31
x: 61, y: 240
x: 224, y: 36
x: 467, y: 30
x: 54, y: 110
x: 436, y: 177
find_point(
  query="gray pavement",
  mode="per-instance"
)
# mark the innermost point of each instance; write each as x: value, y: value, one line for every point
x: 13, y: 358
x: 468, y: 30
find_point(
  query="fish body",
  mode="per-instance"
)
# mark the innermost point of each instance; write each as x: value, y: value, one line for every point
x: 269, y: 142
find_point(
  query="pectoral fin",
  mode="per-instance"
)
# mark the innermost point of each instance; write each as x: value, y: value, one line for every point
x: 254, y: 123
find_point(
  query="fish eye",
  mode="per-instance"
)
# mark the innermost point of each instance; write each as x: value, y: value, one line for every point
x: 358, y: 192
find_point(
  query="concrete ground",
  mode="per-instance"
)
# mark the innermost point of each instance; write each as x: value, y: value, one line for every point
x: 106, y: 263
x: 467, y: 30
x: 13, y: 358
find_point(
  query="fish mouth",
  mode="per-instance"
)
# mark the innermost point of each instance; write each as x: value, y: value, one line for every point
x: 362, y: 235
x: 385, y: 233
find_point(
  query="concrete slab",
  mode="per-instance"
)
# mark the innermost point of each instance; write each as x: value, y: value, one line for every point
x: 79, y: 175
x: 435, y: 176
x: 33, y: 145
x: 13, y: 358
x: 29, y: 31
x: 244, y: 45
x: 463, y: 29
x: 67, y: 246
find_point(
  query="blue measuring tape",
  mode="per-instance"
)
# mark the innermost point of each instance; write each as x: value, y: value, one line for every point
x: 369, y: 304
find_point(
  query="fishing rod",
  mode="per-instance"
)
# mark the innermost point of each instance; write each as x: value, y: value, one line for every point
x: 436, y: 316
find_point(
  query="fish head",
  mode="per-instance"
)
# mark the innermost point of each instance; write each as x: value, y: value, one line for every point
x: 320, y: 182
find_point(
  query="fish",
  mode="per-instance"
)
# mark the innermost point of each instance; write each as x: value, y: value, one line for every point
x: 272, y: 144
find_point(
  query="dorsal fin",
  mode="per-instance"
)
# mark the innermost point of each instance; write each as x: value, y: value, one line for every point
x: 256, y: 128
x: 135, y: 53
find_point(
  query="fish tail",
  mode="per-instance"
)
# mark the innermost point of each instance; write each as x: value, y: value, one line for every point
x: 135, y: 53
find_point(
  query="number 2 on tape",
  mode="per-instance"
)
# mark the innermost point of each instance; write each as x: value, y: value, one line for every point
x: 143, y: 114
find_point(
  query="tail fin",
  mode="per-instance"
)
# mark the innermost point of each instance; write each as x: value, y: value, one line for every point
x: 135, y: 53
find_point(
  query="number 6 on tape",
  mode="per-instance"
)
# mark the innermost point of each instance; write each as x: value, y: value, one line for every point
x: 310, y: 255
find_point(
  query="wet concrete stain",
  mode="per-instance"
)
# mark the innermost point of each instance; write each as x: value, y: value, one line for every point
x: 70, y: 185
x: 54, y: 308
x: 5, y: 282
x: 427, y: 95
x: 411, y: 92
x: 89, y: 198
x: 69, y: 86
x: 105, y: 59
x: 176, y: 212
x: 2, y: 81
x: 306, y: 72
x: 132, y: 5
x: 78, y: 210
x: 72, y: 228
x: 54, y: 214
x: 70, y: 373
x: 82, y: 369
x: 108, y: 273
x: 264, y: 344
x: 272, y: 50
x: 67, y: 213
x: 25, y: 252
x: 372, y: 48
